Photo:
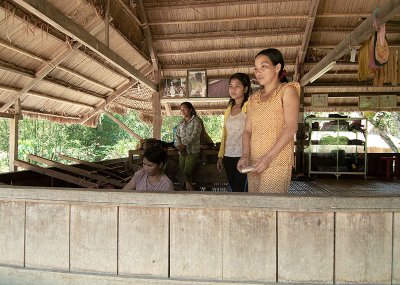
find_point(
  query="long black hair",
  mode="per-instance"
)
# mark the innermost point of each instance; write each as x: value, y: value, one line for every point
x: 276, y: 57
x: 245, y: 80
x: 190, y: 106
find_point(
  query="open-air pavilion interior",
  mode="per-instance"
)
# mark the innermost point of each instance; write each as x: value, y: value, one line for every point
x: 73, y: 61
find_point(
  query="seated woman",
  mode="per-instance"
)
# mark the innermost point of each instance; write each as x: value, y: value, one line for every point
x: 151, y: 177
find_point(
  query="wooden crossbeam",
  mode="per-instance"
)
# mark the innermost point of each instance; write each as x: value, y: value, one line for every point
x: 84, y: 162
x: 387, y: 10
x: 76, y: 170
x: 55, y: 174
x: 10, y: 116
x: 44, y: 10
x: 119, y: 123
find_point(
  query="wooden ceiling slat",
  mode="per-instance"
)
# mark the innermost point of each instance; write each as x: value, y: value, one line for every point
x: 51, y: 15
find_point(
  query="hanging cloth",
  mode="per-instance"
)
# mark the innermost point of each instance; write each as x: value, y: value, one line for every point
x: 381, y: 48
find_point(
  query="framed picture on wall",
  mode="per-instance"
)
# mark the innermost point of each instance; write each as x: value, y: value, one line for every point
x: 197, y: 83
x: 368, y: 102
x: 173, y: 87
x: 388, y: 101
x: 218, y: 88
x: 319, y: 100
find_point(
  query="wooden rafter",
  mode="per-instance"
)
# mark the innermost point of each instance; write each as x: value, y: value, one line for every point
x: 306, y: 38
x: 76, y: 170
x: 122, y: 125
x: 10, y: 116
x: 225, y: 20
x: 52, y: 16
x: 350, y: 89
x: 48, y: 97
x: 111, y: 97
x: 147, y: 34
x: 53, y: 82
x: 211, y: 3
x: 387, y: 10
x: 129, y: 11
x: 87, y: 163
x: 55, y: 174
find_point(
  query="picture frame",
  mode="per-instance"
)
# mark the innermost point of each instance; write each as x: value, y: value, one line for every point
x: 197, y: 83
x: 218, y: 88
x: 173, y: 87
x: 319, y: 100
x: 368, y: 102
x: 388, y: 101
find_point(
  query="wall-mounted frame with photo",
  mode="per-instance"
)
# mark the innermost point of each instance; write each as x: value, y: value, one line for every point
x: 368, y: 102
x: 174, y: 87
x: 319, y: 100
x: 197, y: 83
x: 218, y: 88
x: 388, y: 101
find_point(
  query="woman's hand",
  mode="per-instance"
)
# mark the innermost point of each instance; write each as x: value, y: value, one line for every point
x: 262, y: 164
x: 243, y: 162
x: 220, y: 165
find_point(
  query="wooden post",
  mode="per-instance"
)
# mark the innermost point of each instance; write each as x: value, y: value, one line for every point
x: 106, y: 24
x: 13, y: 146
x: 157, y: 119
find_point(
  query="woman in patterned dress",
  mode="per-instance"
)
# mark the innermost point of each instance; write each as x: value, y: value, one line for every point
x: 271, y: 124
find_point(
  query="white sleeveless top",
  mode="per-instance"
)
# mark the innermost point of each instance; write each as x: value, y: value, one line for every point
x: 234, y: 130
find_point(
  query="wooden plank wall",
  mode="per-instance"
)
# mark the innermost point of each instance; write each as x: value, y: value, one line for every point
x: 210, y: 243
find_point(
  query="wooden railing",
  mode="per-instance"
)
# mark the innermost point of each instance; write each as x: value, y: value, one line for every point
x: 75, y: 236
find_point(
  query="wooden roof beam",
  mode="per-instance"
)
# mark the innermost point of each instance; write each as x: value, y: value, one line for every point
x: 130, y: 12
x: 111, y: 97
x: 211, y: 3
x: 76, y: 170
x: 231, y: 34
x: 224, y: 20
x: 10, y: 116
x: 84, y: 162
x: 44, y: 96
x: 55, y: 174
x: 207, y: 51
x: 350, y: 89
x: 306, y: 38
x: 122, y: 125
x: 147, y: 34
x: 387, y: 10
x: 28, y: 74
x: 54, y: 17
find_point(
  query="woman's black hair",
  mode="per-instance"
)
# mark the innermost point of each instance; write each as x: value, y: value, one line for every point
x: 155, y: 154
x: 245, y: 80
x: 276, y: 57
x: 190, y: 106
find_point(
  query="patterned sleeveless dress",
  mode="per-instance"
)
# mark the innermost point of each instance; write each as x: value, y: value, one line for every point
x: 267, y: 122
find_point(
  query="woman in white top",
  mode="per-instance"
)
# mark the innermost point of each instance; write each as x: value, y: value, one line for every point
x: 234, y: 121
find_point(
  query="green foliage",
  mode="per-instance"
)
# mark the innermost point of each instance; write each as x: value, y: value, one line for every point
x: 330, y: 140
x: 107, y: 141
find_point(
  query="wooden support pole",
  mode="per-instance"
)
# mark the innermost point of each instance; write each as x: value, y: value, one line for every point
x: 107, y: 24
x: 13, y: 145
x: 55, y: 174
x: 119, y: 123
x: 76, y: 170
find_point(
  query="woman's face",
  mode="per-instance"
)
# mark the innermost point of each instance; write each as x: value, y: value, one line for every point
x: 265, y: 71
x: 185, y: 111
x: 151, y: 168
x: 236, y: 89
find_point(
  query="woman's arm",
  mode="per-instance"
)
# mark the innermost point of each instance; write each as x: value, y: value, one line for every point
x: 291, y: 103
x: 245, y: 159
x: 131, y: 185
